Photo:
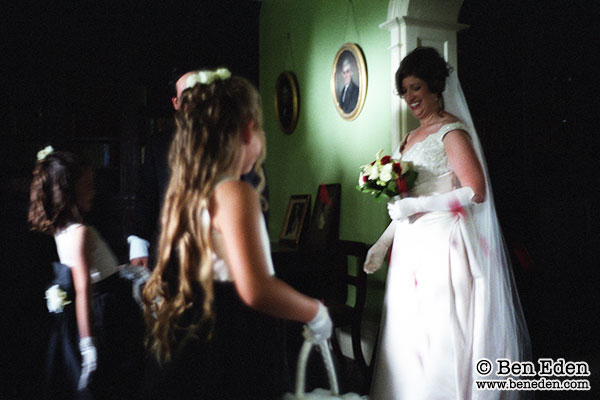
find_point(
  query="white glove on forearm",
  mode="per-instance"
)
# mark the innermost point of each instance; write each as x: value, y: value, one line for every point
x: 451, y: 201
x: 319, y: 328
x: 377, y: 252
x: 138, y: 247
x: 89, y: 358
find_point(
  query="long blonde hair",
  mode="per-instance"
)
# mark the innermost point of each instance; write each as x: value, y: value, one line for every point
x: 205, y: 147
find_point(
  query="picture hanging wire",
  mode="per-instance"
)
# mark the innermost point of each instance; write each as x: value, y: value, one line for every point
x: 351, y: 14
x: 289, y: 53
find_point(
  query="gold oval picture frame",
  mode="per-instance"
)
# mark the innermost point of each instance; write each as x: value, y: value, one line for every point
x: 349, y: 81
x: 287, y: 101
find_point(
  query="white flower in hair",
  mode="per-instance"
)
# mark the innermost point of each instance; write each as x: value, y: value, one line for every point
x: 206, y: 77
x: 44, y: 152
x: 56, y: 299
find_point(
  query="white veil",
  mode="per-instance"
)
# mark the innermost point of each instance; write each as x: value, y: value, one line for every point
x: 498, y: 318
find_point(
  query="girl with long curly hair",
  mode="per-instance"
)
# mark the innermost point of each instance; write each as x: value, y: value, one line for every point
x: 213, y: 304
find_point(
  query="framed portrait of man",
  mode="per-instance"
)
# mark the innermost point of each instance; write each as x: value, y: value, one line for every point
x: 287, y: 101
x: 349, y: 81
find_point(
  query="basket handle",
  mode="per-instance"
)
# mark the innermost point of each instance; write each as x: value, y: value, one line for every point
x: 327, y: 360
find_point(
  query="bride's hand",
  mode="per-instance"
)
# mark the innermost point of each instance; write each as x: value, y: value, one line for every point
x: 378, y: 251
x: 374, y: 258
x: 401, y: 208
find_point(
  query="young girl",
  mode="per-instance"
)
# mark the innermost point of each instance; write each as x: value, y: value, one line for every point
x: 213, y: 295
x: 95, y: 344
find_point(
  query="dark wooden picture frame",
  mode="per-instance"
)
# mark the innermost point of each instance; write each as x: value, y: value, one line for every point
x: 295, y: 220
x: 324, y: 228
x: 287, y: 101
x: 349, y: 63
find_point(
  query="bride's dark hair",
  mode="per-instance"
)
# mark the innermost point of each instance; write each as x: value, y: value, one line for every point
x: 425, y: 63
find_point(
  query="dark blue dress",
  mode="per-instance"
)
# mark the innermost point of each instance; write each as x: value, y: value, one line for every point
x: 118, y: 328
x: 243, y: 357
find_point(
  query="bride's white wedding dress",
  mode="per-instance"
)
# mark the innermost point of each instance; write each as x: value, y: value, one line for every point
x: 434, y: 324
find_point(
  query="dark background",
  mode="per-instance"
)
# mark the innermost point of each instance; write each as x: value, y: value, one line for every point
x: 528, y: 74
x: 91, y: 76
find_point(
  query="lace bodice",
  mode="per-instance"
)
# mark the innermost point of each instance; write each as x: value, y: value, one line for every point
x: 103, y: 262
x: 430, y: 161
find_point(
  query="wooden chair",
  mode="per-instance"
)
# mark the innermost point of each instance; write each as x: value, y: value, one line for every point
x: 323, y: 273
x: 343, y: 311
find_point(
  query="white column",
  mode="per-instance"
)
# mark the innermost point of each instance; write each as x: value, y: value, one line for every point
x: 414, y: 23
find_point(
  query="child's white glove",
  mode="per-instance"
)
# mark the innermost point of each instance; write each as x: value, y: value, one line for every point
x: 89, y: 358
x: 451, y: 201
x: 377, y: 252
x: 320, y: 327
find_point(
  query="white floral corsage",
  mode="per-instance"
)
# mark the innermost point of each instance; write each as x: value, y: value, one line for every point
x: 206, y: 77
x: 44, y: 152
x: 56, y: 299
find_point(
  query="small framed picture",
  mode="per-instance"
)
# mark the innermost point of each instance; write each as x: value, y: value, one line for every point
x: 324, y: 227
x: 295, y: 218
x: 287, y: 101
x: 349, y: 81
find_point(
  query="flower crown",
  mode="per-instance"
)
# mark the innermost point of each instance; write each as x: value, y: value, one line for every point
x: 42, y: 154
x: 206, y: 77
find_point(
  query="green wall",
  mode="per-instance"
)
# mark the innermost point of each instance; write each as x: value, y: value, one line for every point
x: 325, y: 148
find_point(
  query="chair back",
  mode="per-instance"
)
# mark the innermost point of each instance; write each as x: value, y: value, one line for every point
x: 348, y: 293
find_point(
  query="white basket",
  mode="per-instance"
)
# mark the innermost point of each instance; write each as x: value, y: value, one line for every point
x: 318, y: 394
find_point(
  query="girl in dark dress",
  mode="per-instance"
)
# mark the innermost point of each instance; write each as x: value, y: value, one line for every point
x: 213, y: 304
x: 95, y: 345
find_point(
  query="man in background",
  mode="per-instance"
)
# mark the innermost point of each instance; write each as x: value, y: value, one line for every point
x: 143, y: 233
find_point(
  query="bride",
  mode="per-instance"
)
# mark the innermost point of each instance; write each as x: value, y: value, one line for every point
x: 450, y: 297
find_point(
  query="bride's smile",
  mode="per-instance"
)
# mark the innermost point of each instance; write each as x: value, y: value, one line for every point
x: 420, y: 100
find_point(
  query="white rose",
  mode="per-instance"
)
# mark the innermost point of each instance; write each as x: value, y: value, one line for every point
x: 56, y: 299
x: 366, y: 169
x: 374, y: 172
x: 206, y: 77
x: 223, y: 73
x: 192, y: 80
x: 386, y: 173
x: 361, y: 183
x: 44, y: 152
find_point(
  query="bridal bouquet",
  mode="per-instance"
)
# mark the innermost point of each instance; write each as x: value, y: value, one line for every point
x: 386, y: 176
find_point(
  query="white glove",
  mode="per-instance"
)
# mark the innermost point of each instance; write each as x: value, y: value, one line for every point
x: 377, y: 252
x: 138, y: 247
x: 451, y: 201
x: 89, y: 357
x: 320, y: 327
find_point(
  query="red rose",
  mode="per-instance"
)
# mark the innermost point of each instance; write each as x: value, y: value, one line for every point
x: 397, y: 168
x: 401, y: 184
x: 385, y: 160
x: 373, y: 163
x: 365, y: 178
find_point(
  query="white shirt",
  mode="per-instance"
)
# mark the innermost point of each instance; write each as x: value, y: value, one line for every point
x: 103, y: 262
